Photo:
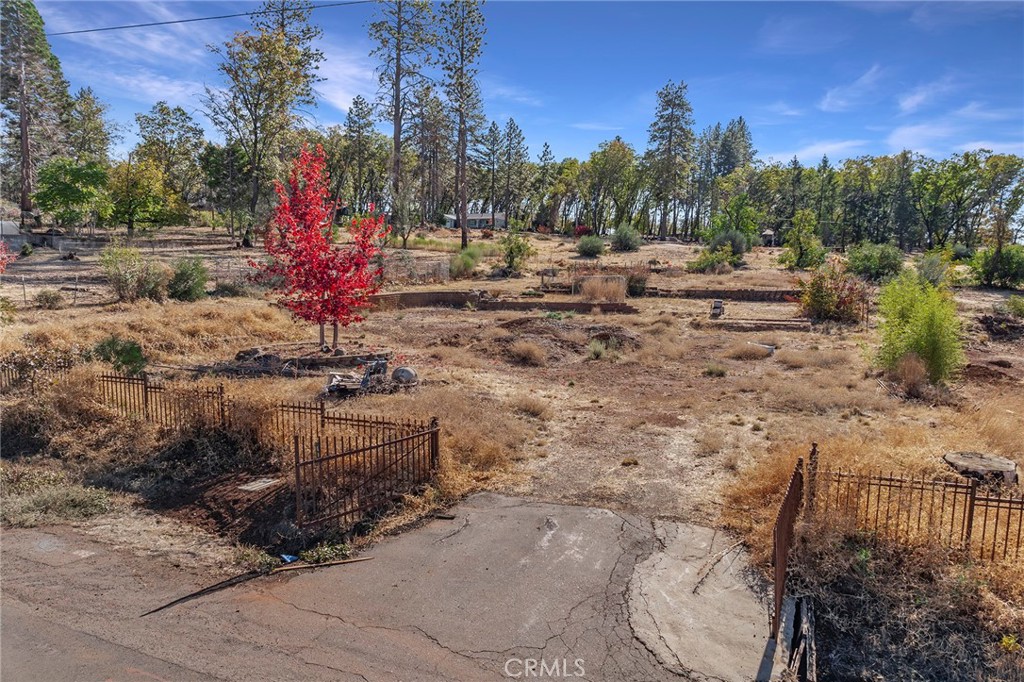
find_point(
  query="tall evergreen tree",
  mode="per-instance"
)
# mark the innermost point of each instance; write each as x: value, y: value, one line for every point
x: 462, y: 40
x: 34, y: 100
x: 90, y: 134
x: 404, y: 36
x: 671, y: 147
x: 359, y: 133
x: 489, y: 155
x: 514, y: 168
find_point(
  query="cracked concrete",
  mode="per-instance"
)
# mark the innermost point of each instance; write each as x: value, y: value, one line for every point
x: 452, y: 600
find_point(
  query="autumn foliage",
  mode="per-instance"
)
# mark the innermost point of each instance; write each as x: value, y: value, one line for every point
x: 319, y: 281
x: 6, y: 257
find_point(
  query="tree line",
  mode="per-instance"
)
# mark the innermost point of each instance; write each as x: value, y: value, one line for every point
x: 442, y: 156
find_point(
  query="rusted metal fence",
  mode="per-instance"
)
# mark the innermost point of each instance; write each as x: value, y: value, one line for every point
x: 782, y: 539
x: 346, y: 464
x: 12, y: 378
x: 988, y: 526
x: 342, y: 478
x: 168, y: 406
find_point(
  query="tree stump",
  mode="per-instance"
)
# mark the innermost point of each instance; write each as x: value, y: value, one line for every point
x: 983, y: 467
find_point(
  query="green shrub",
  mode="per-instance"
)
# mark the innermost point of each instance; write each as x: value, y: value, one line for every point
x: 626, y: 239
x: 123, y: 354
x: 1015, y: 306
x: 188, y: 283
x: 920, y: 319
x: 717, y: 262
x: 933, y: 267
x: 590, y: 246
x: 461, y: 266
x: 132, y: 277
x: 736, y: 240
x: 1004, y: 270
x: 26, y: 250
x: 803, y: 250
x: 49, y: 299
x: 962, y: 252
x: 875, y: 262
x: 833, y: 294
x: 515, y: 249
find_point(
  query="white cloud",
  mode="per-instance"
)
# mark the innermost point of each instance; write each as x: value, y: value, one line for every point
x: 588, y: 125
x: 780, y: 108
x: 936, y: 16
x: 346, y: 73
x: 175, y: 43
x: 915, y: 99
x: 920, y: 137
x: 146, y: 86
x: 812, y: 153
x: 496, y: 89
x: 996, y: 146
x: 978, y: 111
x: 845, y: 97
x: 798, y: 35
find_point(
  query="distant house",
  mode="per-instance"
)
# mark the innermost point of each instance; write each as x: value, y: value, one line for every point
x: 477, y: 220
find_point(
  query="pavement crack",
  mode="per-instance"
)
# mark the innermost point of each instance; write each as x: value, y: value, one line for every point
x: 465, y: 524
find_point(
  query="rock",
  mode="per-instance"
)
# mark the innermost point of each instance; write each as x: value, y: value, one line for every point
x: 983, y: 467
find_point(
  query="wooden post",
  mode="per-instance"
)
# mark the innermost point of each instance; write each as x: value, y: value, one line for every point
x: 435, y: 444
x: 75, y: 301
x: 145, y: 395
x: 812, y: 478
x: 24, y: 291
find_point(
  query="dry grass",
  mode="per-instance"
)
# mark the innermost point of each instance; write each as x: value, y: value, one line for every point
x: 527, y: 353
x: 747, y: 351
x: 603, y: 289
x: 799, y: 359
x: 168, y: 332
x: 532, y: 406
x: 912, y: 375
x: 479, y: 435
x: 709, y: 442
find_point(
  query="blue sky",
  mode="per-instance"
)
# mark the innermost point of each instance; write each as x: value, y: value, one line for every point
x: 811, y: 78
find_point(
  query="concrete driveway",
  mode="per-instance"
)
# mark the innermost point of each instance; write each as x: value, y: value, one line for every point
x: 509, y: 589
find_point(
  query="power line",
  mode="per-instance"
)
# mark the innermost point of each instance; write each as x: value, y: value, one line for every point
x: 188, y: 21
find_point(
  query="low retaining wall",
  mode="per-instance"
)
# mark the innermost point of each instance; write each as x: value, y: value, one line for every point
x: 459, y: 299
x: 762, y: 295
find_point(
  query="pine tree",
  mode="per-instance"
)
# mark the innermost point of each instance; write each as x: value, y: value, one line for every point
x: 490, y: 156
x: 671, y: 146
x: 90, y: 134
x: 515, y: 163
x: 404, y: 35
x: 462, y: 40
x: 33, y: 99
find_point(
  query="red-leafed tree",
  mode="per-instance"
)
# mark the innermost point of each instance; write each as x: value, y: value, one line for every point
x: 320, y: 281
x: 6, y: 257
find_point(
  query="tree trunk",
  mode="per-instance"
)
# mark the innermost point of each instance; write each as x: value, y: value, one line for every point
x: 334, y: 341
x: 663, y: 223
x: 26, y: 158
x: 322, y: 335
